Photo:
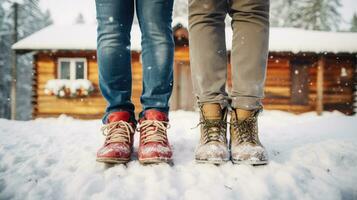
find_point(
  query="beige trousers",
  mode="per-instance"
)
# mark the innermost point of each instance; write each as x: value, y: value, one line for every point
x: 250, y: 24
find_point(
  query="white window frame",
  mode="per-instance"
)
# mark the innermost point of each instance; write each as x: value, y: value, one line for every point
x: 72, y: 67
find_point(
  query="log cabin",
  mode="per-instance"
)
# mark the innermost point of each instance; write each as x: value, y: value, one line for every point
x: 307, y: 71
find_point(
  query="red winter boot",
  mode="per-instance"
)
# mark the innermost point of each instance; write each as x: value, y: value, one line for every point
x: 119, y: 132
x: 154, y: 146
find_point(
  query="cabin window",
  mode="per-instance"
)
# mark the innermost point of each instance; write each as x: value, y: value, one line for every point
x: 72, y: 68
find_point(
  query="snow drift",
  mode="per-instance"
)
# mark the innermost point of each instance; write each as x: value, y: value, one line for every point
x: 311, y: 157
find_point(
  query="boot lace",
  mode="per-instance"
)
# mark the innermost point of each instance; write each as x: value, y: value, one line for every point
x: 119, y: 131
x: 213, y: 130
x: 246, y: 130
x: 153, y: 131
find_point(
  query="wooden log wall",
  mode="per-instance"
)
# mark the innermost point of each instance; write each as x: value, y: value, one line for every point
x: 291, y: 82
x: 182, y: 97
x: 339, y: 83
x: 45, y: 68
x: 289, y: 79
x: 278, y: 85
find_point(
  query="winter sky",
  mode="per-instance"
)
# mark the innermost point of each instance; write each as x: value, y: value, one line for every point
x: 65, y: 11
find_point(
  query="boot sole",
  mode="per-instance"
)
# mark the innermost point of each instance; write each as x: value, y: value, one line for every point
x: 113, y: 160
x: 216, y: 162
x: 249, y: 162
x: 148, y: 161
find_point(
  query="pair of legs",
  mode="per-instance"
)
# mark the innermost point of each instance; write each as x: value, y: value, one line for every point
x: 250, y: 24
x: 115, y: 19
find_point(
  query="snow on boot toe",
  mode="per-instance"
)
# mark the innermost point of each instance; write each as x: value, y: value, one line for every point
x: 154, y: 151
x: 114, y: 150
x: 212, y: 152
x: 248, y: 153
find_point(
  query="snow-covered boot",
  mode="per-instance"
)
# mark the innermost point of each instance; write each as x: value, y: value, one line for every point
x: 154, y: 146
x: 212, y: 147
x: 119, y: 132
x: 244, y: 142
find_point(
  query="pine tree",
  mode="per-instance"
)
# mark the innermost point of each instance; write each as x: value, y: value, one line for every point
x: 354, y: 23
x: 307, y: 14
x: 5, y: 62
x: 30, y: 19
x: 316, y: 14
x: 280, y: 13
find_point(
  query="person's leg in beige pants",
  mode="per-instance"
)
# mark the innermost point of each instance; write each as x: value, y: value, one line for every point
x: 208, y: 50
x: 250, y: 24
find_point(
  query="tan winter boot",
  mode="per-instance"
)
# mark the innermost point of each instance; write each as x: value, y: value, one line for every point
x: 244, y: 142
x: 213, y: 142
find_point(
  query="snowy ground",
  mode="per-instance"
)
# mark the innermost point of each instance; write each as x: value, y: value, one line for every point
x: 311, y: 158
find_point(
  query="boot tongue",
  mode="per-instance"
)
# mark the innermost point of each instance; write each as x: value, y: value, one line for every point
x: 244, y: 114
x: 212, y: 111
x: 155, y: 115
x: 119, y: 116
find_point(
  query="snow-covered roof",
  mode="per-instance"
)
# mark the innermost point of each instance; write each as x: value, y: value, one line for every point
x: 299, y: 40
x: 83, y: 37
x: 70, y: 37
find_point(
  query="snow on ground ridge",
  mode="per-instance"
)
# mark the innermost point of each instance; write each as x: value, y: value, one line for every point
x: 311, y: 158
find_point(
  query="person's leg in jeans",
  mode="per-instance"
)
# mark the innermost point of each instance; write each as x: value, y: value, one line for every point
x: 250, y: 24
x: 209, y: 75
x: 113, y: 52
x: 155, y: 17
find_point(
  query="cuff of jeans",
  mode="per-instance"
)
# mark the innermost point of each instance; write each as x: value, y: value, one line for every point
x: 132, y: 115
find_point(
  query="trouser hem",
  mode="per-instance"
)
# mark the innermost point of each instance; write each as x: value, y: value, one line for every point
x: 223, y: 101
x: 132, y: 115
x: 246, y: 103
x: 164, y: 110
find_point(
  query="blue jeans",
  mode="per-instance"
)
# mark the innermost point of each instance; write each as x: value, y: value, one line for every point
x: 115, y: 18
